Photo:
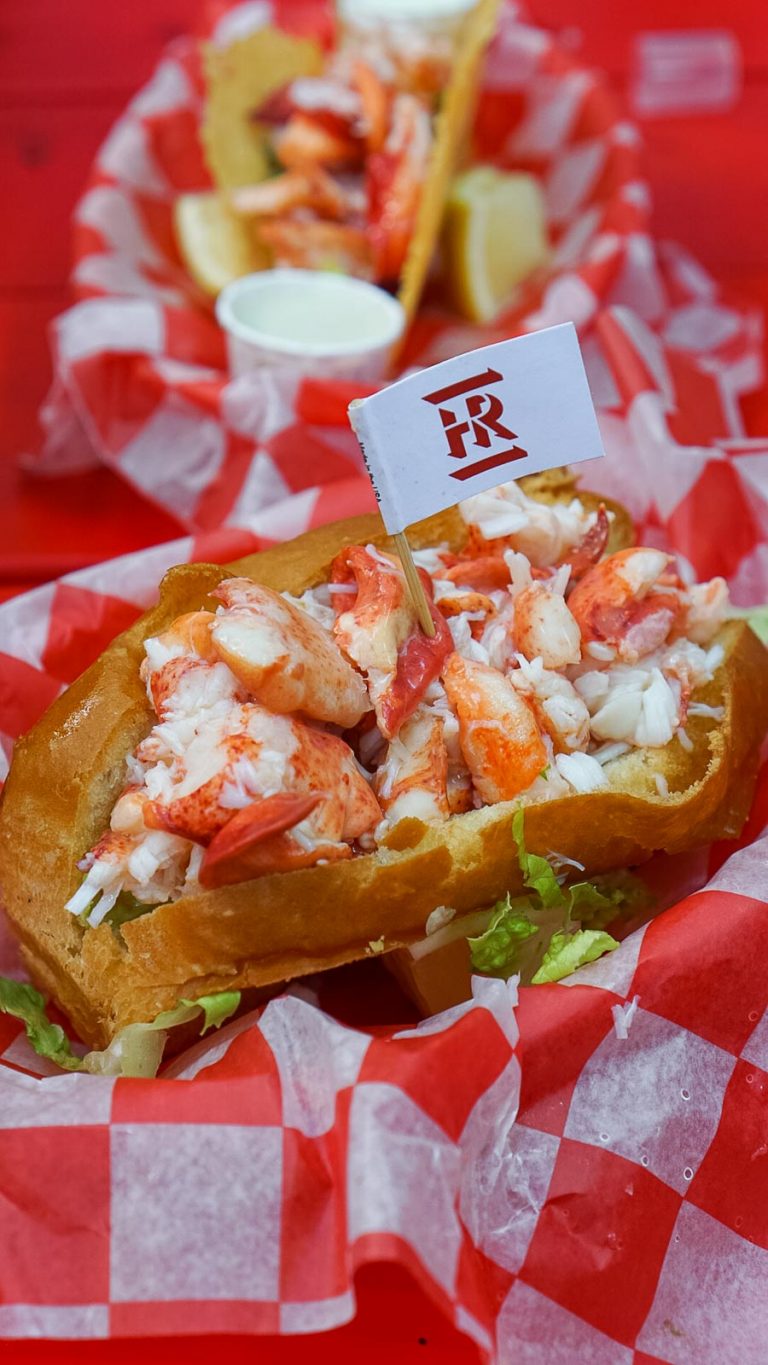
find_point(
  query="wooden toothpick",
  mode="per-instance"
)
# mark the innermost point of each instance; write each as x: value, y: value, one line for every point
x: 415, y: 585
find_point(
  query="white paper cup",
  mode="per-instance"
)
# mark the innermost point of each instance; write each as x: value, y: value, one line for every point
x: 309, y: 321
x: 398, y: 11
x: 403, y: 22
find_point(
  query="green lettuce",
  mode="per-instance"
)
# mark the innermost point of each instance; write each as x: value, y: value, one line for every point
x: 757, y: 618
x: 216, y: 1008
x: 126, y: 908
x: 553, y: 929
x: 48, y: 1039
x: 610, y: 894
x: 538, y: 873
x: 509, y: 928
x: 137, y: 1050
x: 566, y: 952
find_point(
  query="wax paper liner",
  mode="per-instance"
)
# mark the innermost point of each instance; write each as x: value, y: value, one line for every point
x: 594, y: 1189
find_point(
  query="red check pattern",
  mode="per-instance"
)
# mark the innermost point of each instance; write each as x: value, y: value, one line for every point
x: 558, y: 1194
x: 562, y: 1189
x: 564, y: 1195
x: 241, y: 1189
x: 140, y: 363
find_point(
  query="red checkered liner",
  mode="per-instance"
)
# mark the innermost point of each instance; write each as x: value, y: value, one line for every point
x: 574, y: 1194
x: 139, y: 361
x: 569, y: 1195
x: 140, y: 381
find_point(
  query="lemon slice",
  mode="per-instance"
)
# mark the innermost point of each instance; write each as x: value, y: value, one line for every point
x: 216, y: 245
x: 495, y: 236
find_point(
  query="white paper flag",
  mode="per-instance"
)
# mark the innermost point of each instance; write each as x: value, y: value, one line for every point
x: 476, y: 421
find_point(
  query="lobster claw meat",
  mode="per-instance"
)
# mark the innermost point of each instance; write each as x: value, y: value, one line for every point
x: 483, y: 573
x: 590, y: 548
x: 419, y: 661
x: 226, y: 859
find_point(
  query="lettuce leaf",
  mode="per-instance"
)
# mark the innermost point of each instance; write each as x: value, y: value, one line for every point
x: 538, y: 874
x: 590, y: 906
x: 126, y: 908
x: 493, y: 951
x: 566, y: 952
x: 610, y: 894
x: 757, y: 618
x: 540, y: 934
x: 137, y: 1050
x: 216, y: 1008
x: 48, y: 1040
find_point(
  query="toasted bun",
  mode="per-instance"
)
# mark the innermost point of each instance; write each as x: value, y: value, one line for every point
x: 67, y: 772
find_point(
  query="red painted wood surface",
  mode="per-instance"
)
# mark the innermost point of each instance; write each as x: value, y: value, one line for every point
x: 66, y: 70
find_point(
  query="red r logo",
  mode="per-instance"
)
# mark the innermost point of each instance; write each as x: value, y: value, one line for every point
x: 482, y: 422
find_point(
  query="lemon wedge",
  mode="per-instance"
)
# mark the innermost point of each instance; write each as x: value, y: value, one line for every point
x: 216, y: 245
x: 495, y: 236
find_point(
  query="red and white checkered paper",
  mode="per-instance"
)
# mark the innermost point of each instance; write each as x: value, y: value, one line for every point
x: 140, y: 379
x: 564, y: 1193
x: 139, y: 361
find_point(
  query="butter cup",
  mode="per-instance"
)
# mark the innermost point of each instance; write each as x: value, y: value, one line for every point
x: 310, y: 322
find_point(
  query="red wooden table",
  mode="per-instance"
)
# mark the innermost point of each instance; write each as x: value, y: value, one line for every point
x: 66, y: 71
